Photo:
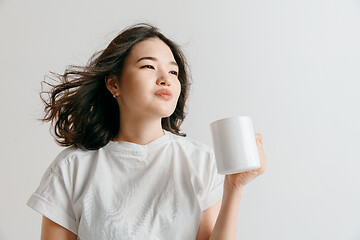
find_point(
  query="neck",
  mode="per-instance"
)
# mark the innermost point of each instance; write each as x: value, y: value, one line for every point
x: 139, y: 132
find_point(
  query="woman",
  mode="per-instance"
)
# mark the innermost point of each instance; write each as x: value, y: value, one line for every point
x: 127, y: 171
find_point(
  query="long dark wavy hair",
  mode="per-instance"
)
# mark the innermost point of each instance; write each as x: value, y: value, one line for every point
x: 82, y: 110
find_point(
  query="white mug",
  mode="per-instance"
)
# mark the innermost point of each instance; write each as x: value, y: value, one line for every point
x: 234, y: 145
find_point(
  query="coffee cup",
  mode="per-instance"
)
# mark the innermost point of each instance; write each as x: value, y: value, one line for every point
x: 234, y: 145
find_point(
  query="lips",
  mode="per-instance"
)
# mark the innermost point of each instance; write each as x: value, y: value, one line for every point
x: 164, y: 93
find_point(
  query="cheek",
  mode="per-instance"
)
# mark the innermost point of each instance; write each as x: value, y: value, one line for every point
x: 132, y: 86
x: 178, y: 89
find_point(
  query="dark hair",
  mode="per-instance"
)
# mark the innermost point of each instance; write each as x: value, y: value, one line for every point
x: 82, y: 110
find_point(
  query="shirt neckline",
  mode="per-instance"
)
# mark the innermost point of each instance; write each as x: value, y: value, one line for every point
x: 130, y: 147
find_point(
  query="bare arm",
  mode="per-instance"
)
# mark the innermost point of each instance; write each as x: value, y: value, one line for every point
x: 226, y: 223
x: 53, y: 231
x: 208, y: 219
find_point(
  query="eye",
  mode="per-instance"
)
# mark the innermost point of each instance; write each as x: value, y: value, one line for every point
x: 146, y: 66
x: 174, y: 72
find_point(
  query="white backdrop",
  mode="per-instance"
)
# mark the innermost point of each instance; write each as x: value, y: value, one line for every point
x: 293, y: 66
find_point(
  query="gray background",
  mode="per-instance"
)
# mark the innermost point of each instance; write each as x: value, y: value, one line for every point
x: 293, y: 66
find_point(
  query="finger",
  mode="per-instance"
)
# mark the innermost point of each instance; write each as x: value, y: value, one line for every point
x: 259, y: 139
x: 258, y: 136
x: 263, y: 158
x: 262, y: 163
x: 261, y: 152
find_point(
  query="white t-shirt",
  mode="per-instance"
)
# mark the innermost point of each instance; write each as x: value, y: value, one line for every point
x: 126, y: 190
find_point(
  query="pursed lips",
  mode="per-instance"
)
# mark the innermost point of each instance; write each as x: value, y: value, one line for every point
x: 164, y: 93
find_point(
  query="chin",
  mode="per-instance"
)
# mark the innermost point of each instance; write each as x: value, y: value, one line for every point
x: 167, y: 113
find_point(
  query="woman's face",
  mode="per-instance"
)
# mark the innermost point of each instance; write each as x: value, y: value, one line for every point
x: 141, y: 78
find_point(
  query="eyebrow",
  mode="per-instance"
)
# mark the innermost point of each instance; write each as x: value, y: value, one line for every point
x: 155, y: 59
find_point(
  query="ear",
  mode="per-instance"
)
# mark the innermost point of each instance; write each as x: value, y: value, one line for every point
x: 112, y: 84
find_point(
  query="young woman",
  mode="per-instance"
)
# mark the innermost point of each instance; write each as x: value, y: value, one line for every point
x: 127, y: 172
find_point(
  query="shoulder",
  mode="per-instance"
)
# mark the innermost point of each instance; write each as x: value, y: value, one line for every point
x: 68, y: 156
x: 191, y: 144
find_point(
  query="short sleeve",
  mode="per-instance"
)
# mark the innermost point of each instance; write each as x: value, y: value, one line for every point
x: 52, y: 199
x: 213, y: 182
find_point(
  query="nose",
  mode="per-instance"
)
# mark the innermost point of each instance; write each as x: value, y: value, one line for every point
x: 163, y: 79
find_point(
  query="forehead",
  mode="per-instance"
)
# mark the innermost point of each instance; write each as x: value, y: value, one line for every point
x: 152, y: 47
